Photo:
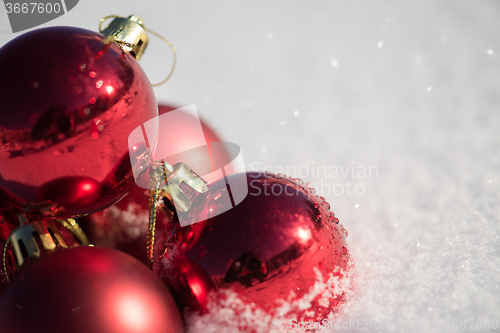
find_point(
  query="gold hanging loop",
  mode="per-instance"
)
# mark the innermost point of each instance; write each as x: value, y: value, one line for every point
x: 75, y: 229
x: 104, y: 19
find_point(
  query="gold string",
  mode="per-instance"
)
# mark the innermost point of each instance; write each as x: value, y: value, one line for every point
x: 75, y: 228
x: 4, y: 260
x: 174, y: 51
x: 153, y: 200
x: 4, y: 256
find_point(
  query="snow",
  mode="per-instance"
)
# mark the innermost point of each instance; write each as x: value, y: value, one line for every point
x: 410, y: 89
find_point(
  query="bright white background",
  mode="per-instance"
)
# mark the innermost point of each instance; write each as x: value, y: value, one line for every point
x: 411, y: 88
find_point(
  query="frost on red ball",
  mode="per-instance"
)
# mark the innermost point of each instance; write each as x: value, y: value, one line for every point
x: 277, y: 256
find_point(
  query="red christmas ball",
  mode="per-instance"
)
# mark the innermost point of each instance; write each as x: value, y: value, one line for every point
x: 70, y: 99
x: 124, y: 226
x: 278, y: 255
x: 87, y: 289
x: 186, y: 140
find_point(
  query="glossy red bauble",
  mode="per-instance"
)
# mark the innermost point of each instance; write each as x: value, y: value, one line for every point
x: 188, y: 142
x: 69, y: 100
x: 280, y: 253
x: 87, y: 289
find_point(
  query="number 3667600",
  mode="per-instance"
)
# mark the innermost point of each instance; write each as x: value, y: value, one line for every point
x: 32, y: 7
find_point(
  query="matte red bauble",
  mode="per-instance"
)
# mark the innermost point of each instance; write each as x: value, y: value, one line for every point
x: 124, y: 226
x: 69, y: 100
x: 278, y: 255
x: 87, y: 289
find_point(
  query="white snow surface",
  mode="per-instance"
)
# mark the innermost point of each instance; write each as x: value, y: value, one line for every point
x: 406, y: 94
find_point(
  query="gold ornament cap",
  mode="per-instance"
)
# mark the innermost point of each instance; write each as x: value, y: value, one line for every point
x: 179, y: 183
x: 129, y: 33
x: 33, y: 239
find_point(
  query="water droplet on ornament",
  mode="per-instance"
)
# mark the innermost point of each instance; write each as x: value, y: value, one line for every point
x: 336, y: 220
x: 316, y: 205
x: 312, y: 190
x: 92, y: 74
x: 81, y: 67
x: 327, y: 205
x: 299, y: 181
x: 344, y: 233
x: 344, y: 250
